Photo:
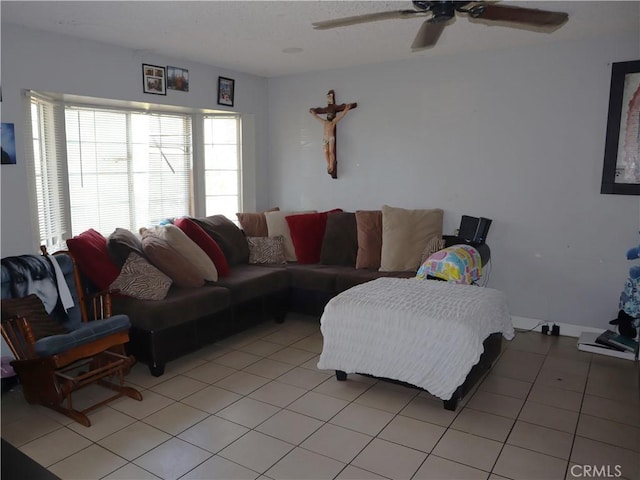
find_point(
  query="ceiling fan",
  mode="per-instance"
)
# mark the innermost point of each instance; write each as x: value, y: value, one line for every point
x: 442, y: 13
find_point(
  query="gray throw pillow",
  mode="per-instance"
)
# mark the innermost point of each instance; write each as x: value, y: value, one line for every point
x: 228, y: 236
x: 121, y: 243
x: 340, y: 243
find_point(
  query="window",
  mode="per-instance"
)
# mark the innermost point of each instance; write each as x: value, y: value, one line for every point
x: 127, y: 169
x: 222, y: 165
x: 104, y: 167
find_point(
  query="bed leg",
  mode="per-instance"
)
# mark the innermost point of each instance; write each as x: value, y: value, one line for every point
x: 452, y: 403
x: 341, y: 376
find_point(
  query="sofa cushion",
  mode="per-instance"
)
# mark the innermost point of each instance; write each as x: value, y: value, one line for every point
x: 181, y: 305
x: 405, y: 234
x: 277, y: 225
x: 228, y: 236
x: 170, y: 261
x: 206, y: 243
x: 254, y: 224
x: 266, y: 250
x: 191, y: 252
x: 89, y: 250
x: 248, y: 282
x: 139, y: 279
x: 340, y: 242
x: 369, y: 231
x: 31, y: 308
x: 314, y: 277
x: 86, y: 333
x: 121, y: 243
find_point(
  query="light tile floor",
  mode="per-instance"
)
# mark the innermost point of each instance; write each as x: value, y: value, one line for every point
x: 254, y: 406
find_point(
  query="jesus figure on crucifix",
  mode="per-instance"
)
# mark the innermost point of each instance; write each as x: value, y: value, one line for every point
x: 329, y: 129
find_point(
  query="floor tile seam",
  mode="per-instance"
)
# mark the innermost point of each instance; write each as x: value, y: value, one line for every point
x: 635, y: 452
x: 459, y: 463
x: 408, y: 446
x: 217, y: 380
x: 362, y: 468
x: 60, y: 425
x: 181, y: 431
x: 575, y: 428
x: 636, y: 427
x: 630, y: 404
x: 273, y: 379
x: 371, y: 439
x: 86, y: 448
x: 171, y: 436
x: 215, y: 455
x: 506, y: 442
x: 271, y: 465
x: 189, y: 394
x: 251, y: 428
x: 515, y: 420
x: 200, y: 446
x: 130, y: 463
x: 67, y: 456
x: 152, y: 473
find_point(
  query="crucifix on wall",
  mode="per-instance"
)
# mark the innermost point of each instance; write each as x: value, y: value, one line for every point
x: 334, y: 113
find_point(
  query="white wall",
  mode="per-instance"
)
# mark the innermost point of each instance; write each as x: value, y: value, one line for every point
x: 516, y: 135
x: 42, y: 61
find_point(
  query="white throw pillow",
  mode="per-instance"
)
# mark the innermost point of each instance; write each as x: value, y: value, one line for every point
x: 277, y: 225
x: 189, y: 249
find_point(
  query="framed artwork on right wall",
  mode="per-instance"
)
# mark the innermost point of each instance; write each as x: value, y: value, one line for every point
x: 621, y: 170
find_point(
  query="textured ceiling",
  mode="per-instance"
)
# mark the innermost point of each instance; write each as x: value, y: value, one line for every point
x: 253, y: 36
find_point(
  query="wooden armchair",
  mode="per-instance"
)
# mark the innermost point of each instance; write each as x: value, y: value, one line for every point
x: 51, y: 368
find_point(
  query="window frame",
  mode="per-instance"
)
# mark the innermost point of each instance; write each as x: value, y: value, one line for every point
x: 60, y: 102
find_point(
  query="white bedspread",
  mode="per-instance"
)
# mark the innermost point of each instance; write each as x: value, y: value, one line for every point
x: 423, y: 332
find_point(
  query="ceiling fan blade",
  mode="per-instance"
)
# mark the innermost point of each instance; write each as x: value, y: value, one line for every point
x: 428, y: 35
x: 370, y: 17
x: 526, y: 16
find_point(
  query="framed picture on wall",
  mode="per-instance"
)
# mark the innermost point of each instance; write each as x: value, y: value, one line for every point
x: 226, y: 90
x: 177, y: 79
x: 154, y: 79
x: 621, y: 170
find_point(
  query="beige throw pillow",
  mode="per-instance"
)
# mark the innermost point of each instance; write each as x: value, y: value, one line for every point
x: 277, y: 225
x: 189, y: 249
x: 405, y: 234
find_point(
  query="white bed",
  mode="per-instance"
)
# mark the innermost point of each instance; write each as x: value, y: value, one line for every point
x: 426, y: 333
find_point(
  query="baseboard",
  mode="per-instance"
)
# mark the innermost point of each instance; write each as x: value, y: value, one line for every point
x: 566, y: 329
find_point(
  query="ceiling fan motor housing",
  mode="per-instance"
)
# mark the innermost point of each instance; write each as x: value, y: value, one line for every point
x: 442, y: 11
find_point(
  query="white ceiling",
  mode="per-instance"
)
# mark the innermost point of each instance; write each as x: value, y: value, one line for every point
x: 250, y: 36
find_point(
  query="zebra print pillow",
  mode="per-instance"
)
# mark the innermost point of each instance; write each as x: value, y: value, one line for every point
x: 139, y: 279
x: 266, y: 249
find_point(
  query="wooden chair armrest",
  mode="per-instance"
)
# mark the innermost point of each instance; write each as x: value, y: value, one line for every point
x: 18, y: 335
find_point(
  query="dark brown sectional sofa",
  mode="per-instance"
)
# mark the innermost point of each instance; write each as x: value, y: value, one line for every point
x: 189, y: 318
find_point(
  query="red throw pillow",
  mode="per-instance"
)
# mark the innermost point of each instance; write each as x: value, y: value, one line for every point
x: 307, y: 233
x: 89, y: 250
x: 196, y: 233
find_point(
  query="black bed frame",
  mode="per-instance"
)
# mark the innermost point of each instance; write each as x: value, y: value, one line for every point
x: 492, y: 348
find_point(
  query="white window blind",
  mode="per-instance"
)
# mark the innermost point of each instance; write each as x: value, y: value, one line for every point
x: 222, y: 161
x: 127, y: 169
x: 45, y: 120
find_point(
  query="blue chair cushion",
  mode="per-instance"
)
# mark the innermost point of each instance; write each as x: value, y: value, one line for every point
x: 86, y: 333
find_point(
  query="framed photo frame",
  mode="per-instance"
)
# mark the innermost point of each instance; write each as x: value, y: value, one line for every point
x: 226, y: 91
x: 177, y: 79
x: 154, y: 79
x: 621, y: 169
